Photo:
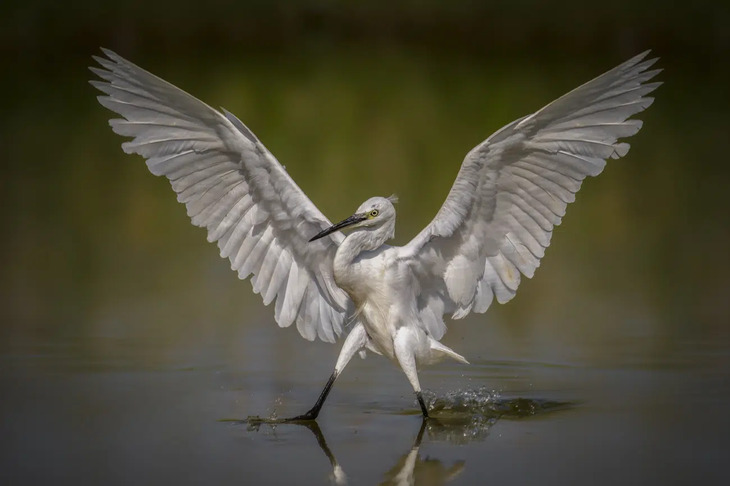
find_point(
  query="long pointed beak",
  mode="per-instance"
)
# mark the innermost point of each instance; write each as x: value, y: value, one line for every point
x: 354, y: 219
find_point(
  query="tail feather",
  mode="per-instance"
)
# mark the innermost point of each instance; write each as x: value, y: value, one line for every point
x: 444, y: 351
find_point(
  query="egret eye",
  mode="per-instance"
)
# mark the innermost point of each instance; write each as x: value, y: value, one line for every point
x: 374, y: 213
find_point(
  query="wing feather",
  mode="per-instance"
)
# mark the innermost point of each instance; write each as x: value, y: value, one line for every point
x: 235, y: 188
x: 513, y: 189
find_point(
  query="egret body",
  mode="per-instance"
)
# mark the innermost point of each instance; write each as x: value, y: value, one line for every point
x: 496, y: 222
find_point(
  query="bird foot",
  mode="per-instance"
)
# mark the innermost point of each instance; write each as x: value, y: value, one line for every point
x: 309, y: 416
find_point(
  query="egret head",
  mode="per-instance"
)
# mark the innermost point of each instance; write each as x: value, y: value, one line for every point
x: 377, y: 215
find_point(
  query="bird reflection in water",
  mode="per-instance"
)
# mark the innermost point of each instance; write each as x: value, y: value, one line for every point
x: 410, y: 469
x: 413, y: 469
x: 458, y: 417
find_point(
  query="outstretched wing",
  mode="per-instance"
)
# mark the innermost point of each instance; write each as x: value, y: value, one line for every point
x: 513, y: 188
x: 234, y: 187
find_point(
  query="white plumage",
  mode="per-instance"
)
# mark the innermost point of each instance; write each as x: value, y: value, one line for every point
x: 494, y: 226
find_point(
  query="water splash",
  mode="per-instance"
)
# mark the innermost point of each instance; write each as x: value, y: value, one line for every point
x: 466, y: 401
x: 464, y: 416
x: 490, y: 402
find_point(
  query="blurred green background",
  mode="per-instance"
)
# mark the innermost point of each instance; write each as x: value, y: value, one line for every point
x: 101, y: 270
x: 357, y: 100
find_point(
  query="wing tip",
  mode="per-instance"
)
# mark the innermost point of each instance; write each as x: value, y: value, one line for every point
x: 640, y: 57
x: 113, y: 56
x: 98, y: 60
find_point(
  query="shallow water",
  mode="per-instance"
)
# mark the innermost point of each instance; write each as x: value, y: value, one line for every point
x: 118, y: 417
x: 130, y: 354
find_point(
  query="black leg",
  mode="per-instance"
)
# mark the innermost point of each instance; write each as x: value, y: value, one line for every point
x: 314, y: 428
x: 419, y: 437
x: 314, y: 411
x: 422, y: 404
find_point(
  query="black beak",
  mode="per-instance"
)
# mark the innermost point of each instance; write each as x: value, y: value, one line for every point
x: 355, y: 218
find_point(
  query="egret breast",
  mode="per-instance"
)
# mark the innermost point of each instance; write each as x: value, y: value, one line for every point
x: 368, y: 281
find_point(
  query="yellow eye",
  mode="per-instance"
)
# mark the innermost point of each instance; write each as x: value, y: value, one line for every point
x: 374, y: 213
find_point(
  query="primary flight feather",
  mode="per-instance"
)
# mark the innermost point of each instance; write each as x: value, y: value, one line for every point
x: 494, y: 226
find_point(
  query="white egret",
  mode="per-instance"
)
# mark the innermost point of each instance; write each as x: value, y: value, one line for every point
x: 494, y: 226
